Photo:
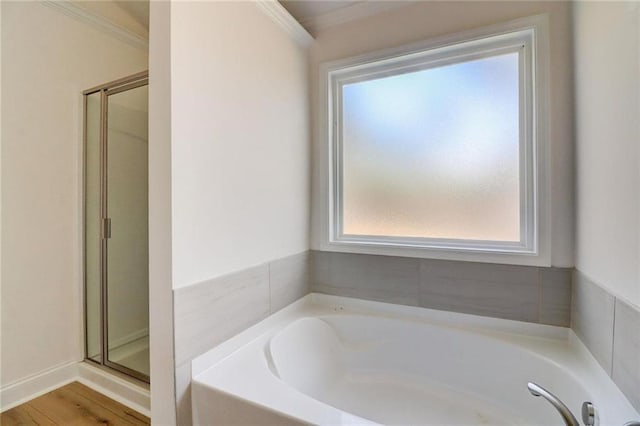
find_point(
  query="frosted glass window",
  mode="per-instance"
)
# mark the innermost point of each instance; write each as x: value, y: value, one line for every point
x: 434, y: 153
x: 439, y: 149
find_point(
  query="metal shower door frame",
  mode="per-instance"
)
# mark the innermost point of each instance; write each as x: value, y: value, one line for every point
x: 117, y: 86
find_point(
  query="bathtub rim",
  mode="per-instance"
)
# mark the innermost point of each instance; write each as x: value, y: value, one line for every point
x: 321, y: 304
x: 530, y: 336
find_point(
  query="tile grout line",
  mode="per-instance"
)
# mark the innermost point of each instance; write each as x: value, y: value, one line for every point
x: 572, y: 273
x: 613, y: 333
x: 308, y: 266
x: 329, y: 280
x: 269, y: 281
x: 539, y: 270
x: 419, y: 296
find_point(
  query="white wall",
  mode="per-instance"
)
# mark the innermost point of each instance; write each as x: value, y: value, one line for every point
x: 48, y: 58
x: 607, y: 57
x: 240, y: 140
x: 425, y: 20
x: 228, y: 160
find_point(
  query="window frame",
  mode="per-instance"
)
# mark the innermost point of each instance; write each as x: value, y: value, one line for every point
x: 526, y: 36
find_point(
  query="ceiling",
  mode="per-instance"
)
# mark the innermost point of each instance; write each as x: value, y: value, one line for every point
x: 137, y: 9
x: 302, y: 10
x: 312, y: 14
x: 316, y: 15
x: 305, y: 10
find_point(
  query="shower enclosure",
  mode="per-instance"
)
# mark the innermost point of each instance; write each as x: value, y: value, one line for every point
x: 116, y: 262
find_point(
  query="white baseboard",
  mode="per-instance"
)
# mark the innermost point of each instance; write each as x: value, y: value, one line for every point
x: 116, y: 388
x: 127, y: 393
x: 38, y: 384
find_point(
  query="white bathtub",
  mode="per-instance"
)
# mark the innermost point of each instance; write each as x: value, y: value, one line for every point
x: 336, y: 361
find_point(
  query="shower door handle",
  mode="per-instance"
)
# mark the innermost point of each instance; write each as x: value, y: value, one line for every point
x: 106, y: 228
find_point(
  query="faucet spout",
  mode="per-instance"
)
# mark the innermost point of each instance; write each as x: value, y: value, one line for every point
x: 567, y: 416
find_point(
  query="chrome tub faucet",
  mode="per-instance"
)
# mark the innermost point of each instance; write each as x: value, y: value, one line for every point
x: 588, y: 409
x: 567, y: 415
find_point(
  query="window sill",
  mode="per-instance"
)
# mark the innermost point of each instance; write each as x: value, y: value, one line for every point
x: 541, y: 258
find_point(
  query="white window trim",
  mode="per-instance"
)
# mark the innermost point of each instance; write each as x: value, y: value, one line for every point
x: 530, y: 34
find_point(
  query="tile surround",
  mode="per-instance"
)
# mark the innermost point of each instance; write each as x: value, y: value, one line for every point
x: 555, y: 296
x: 522, y: 293
x: 381, y: 278
x: 610, y: 328
x: 592, y: 316
x: 289, y: 280
x: 501, y: 291
x: 210, y: 312
x: 626, y: 351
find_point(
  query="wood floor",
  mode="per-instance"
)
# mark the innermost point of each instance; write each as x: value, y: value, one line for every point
x: 73, y: 404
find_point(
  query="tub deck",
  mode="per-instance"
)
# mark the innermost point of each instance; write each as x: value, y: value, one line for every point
x: 337, y: 361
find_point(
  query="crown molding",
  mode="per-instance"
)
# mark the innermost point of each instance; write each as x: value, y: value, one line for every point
x: 359, y: 10
x: 274, y: 10
x: 98, y: 22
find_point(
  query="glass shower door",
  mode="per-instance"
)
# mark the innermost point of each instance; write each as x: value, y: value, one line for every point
x: 116, y: 260
x: 127, y: 257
